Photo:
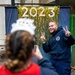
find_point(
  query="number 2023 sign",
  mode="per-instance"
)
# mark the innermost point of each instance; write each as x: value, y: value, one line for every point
x: 38, y: 10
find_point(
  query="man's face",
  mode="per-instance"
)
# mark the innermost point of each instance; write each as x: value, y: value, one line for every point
x: 52, y: 27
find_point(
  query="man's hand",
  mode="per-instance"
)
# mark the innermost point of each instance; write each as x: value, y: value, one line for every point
x: 43, y: 37
x: 67, y: 32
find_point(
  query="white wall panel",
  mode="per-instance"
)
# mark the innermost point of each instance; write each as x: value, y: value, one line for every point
x: 35, y: 1
x: 17, y: 1
x: 2, y: 25
x: 5, y: 1
x: 46, y: 1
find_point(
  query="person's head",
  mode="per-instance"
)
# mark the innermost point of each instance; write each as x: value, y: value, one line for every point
x: 52, y: 26
x: 19, y: 47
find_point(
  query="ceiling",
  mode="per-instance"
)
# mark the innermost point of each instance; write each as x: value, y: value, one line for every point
x: 65, y: 2
x: 59, y: 2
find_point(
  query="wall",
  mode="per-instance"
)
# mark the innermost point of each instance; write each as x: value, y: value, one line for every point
x: 5, y: 1
x: 2, y: 25
x: 2, y: 16
x: 2, y: 30
x: 46, y: 1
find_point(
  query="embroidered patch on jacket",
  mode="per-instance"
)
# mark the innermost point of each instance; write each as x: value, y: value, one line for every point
x: 57, y: 38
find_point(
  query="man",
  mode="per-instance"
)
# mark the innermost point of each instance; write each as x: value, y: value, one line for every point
x: 59, y: 47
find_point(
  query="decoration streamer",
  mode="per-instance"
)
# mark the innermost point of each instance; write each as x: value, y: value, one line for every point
x: 41, y: 15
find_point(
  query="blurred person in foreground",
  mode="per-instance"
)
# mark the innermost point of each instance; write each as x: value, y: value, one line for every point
x: 19, y: 45
x: 59, y: 47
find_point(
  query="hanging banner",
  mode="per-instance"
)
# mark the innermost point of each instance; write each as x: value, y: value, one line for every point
x: 40, y: 11
x: 41, y: 15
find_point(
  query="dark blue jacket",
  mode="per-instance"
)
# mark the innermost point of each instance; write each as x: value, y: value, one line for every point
x: 46, y: 67
x: 59, y: 45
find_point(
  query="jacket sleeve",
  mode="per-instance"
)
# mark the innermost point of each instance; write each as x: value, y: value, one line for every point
x: 44, y: 62
x: 46, y: 67
x: 46, y: 47
x: 70, y: 40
